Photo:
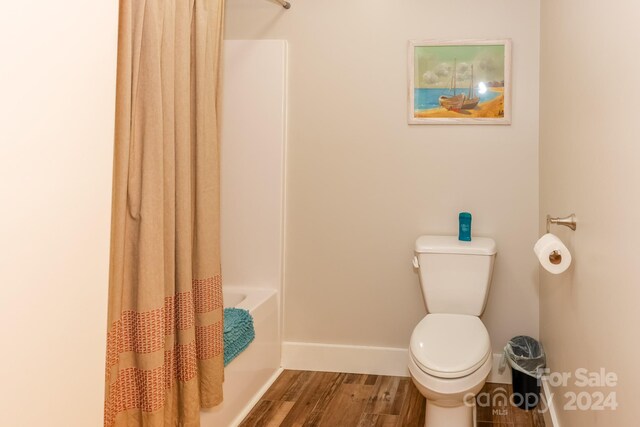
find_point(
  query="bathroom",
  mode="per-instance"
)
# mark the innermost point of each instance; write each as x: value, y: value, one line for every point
x: 359, y: 186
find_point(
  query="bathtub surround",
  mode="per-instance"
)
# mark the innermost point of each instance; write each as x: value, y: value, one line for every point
x: 165, y: 318
x: 252, y: 172
x: 589, y: 165
x: 361, y: 183
x: 252, y: 215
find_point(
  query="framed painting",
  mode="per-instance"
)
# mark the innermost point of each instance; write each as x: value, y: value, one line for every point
x: 460, y: 82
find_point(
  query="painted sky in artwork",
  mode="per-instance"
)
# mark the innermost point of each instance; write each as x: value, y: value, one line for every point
x: 434, y: 65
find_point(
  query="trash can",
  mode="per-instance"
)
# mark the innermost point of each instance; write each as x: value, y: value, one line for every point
x: 527, y: 359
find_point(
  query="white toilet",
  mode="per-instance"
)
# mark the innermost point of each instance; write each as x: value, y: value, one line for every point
x: 450, y: 352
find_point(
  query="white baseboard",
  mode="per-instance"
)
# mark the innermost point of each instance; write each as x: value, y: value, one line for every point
x: 550, y: 415
x: 345, y: 358
x: 361, y: 360
x: 495, y: 376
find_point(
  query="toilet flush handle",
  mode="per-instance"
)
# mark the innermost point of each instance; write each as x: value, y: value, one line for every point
x: 416, y: 264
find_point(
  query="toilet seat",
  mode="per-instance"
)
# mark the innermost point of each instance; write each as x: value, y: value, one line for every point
x: 450, y: 345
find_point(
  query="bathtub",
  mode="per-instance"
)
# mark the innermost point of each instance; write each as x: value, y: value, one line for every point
x: 249, y: 375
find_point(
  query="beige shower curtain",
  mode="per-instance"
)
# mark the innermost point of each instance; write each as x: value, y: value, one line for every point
x: 164, y: 343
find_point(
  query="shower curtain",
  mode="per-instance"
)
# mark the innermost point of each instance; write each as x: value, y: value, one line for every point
x: 164, y: 357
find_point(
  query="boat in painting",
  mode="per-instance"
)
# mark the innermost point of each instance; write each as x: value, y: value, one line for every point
x: 452, y: 102
x: 471, y: 100
x: 455, y: 101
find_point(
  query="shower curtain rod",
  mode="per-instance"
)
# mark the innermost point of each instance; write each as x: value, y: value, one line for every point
x: 284, y: 4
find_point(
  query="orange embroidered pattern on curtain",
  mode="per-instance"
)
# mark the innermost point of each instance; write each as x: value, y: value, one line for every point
x: 164, y: 341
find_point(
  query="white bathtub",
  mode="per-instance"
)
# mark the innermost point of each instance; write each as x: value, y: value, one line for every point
x: 256, y: 367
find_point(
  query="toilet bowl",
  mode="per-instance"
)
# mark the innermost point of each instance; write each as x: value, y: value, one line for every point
x: 450, y: 359
x: 450, y: 351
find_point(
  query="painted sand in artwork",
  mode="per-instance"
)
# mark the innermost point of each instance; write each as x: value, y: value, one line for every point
x: 464, y: 81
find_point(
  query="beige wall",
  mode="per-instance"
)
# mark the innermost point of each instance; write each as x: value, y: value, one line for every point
x: 589, y: 152
x: 362, y: 184
x: 57, y: 71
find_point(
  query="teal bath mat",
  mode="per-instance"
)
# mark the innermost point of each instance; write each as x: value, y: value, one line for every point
x: 238, y: 332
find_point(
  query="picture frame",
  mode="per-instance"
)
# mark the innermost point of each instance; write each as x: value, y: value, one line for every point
x: 459, y: 82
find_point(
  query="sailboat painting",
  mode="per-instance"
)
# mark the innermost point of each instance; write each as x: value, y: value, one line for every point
x: 460, y: 82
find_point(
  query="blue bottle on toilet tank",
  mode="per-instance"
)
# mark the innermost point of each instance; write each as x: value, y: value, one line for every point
x: 464, y: 229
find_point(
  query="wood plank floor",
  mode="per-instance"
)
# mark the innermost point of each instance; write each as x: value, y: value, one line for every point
x: 331, y: 399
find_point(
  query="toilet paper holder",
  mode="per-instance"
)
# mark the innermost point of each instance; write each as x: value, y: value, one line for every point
x: 568, y: 221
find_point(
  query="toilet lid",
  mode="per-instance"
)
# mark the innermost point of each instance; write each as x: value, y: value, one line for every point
x: 450, y: 345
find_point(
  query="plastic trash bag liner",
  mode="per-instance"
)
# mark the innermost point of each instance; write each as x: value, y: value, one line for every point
x: 524, y: 354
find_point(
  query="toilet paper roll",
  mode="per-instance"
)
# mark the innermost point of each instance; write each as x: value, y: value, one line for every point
x: 552, y: 254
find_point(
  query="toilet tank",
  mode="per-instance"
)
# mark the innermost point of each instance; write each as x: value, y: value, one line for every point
x: 454, y: 275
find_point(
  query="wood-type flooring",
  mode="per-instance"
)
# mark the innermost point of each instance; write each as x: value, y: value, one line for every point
x: 332, y: 399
